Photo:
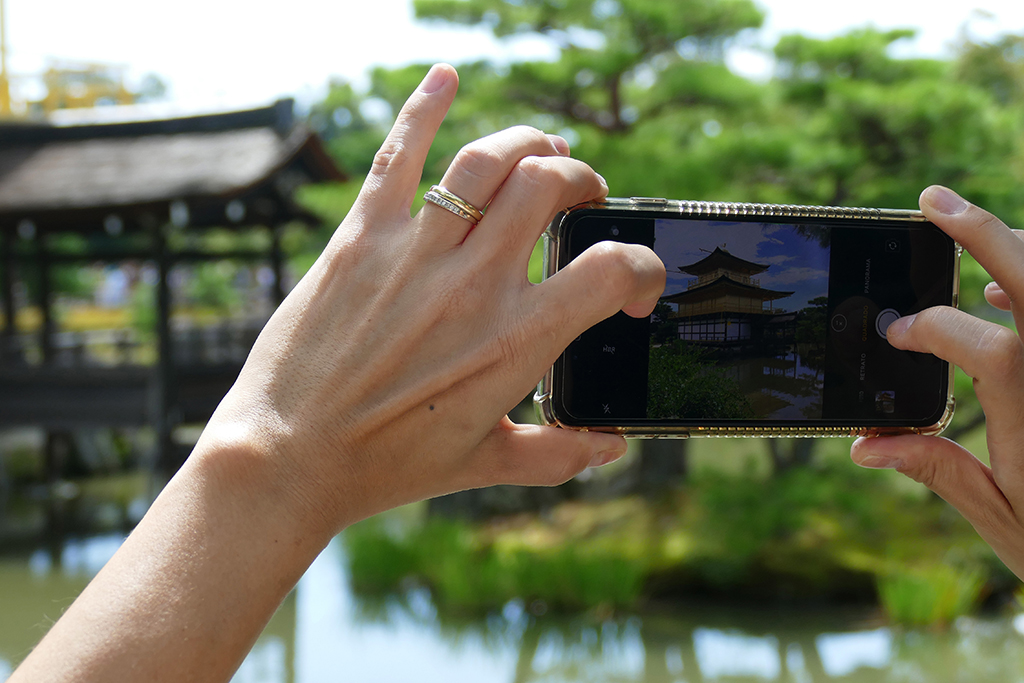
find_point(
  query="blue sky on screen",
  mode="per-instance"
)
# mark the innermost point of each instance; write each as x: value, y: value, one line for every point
x: 796, y: 264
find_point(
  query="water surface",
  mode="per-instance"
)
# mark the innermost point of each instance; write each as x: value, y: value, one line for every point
x: 324, y: 633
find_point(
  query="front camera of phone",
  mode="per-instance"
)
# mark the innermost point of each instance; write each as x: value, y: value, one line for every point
x: 614, y: 231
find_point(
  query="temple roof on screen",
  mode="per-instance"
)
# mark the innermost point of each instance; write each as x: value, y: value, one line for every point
x: 71, y: 177
x: 721, y: 259
x: 724, y: 286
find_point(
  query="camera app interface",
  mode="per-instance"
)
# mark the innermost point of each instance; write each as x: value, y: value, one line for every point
x: 740, y: 329
x: 769, y: 322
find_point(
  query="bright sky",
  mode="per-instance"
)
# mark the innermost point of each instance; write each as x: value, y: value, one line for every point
x: 235, y: 52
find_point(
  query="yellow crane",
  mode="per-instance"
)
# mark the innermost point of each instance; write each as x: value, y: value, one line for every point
x: 69, y: 85
x: 5, y: 84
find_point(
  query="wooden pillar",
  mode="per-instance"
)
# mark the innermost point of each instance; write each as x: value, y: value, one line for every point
x: 165, y: 380
x: 59, y: 444
x: 7, y: 294
x: 45, y: 297
x: 277, y: 264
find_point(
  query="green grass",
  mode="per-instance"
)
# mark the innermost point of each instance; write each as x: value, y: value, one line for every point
x: 466, y: 572
x: 827, y: 531
x: 930, y: 596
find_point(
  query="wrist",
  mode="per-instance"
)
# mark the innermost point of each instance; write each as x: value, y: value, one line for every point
x: 259, y: 479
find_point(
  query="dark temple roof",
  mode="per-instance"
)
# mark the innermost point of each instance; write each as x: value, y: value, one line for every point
x: 724, y: 286
x: 72, y: 177
x: 720, y: 258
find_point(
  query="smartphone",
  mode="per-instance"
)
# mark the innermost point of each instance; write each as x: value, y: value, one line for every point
x: 772, y: 323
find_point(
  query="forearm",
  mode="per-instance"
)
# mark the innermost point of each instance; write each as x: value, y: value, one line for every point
x: 192, y: 587
x: 384, y: 378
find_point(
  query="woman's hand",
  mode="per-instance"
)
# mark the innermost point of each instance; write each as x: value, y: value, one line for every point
x: 386, y: 375
x: 991, y: 498
x: 383, y: 378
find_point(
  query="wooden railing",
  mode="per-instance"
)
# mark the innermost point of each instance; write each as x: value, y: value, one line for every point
x: 723, y: 306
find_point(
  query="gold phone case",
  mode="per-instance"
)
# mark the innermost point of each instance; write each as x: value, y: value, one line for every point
x: 716, y: 210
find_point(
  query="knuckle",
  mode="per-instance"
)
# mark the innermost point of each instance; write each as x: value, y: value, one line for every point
x: 935, y: 324
x: 936, y: 316
x: 531, y: 137
x: 480, y: 160
x: 1004, y: 351
x: 569, y: 470
x: 988, y: 222
x: 540, y: 172
x: 525, y: 131
x: 924, y: 471
x: 391, y: 156
x: 612, y: 268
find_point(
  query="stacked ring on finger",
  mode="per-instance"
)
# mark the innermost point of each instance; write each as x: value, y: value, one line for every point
x: 452, y: 202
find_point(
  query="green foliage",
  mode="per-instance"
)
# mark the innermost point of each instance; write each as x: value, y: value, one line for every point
x: 620, y: 62
x: 811, y: 532
x: 810, y: 325
x: 212, y: 286
x: 742, y: 517
x: 931, y: 596
x: 329, y: 201
x: 143, y: 310
x: 683, y: 381
x: 642, y: 91
x: 377, y: 561
x: 996, y: 67
x: 351, y: 138
x: 23, y: 464
x: 465, y: 573
x: 73, y: 281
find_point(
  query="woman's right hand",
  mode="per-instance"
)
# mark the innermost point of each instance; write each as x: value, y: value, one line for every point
x: 991, y: 498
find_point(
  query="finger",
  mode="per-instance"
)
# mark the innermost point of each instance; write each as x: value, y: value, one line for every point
x: 481, y: 167
x: 990, y: 353
x: 606, y: 278
x: 398, y: 165
x: 535, y: 190
x: 958, y: 477
x: 532, y: 455
x: 997, y: 248
x: 995, y: 295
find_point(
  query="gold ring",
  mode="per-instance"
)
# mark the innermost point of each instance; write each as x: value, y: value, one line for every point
x: 454, y: 203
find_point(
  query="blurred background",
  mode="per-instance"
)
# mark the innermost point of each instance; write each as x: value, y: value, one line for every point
x: 168, y: 173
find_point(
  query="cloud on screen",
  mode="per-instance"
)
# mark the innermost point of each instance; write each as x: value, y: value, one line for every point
x: 795, y: 262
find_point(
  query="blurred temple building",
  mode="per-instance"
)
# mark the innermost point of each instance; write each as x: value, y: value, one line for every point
x: 141, y: 197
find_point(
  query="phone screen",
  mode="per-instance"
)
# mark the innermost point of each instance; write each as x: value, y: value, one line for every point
x: 764, y: 323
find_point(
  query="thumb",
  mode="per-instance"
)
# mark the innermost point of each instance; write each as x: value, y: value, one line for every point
x: 535, y: 455
x: 958, y: 477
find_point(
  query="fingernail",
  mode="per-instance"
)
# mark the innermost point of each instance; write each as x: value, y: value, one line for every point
x: 603, y: 181
x: 605, y: 457
x: 944, y: 200
x: 878, y: 462
x: 434, y: 80
x: 900, y: 326
x: 560, y: 144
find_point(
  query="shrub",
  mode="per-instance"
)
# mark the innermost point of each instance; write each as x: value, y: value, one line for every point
x: 467, y: 574
x: 929, y: 596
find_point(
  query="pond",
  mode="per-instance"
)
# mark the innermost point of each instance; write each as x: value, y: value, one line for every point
x: 323, y: 632
x: 785, y: 386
